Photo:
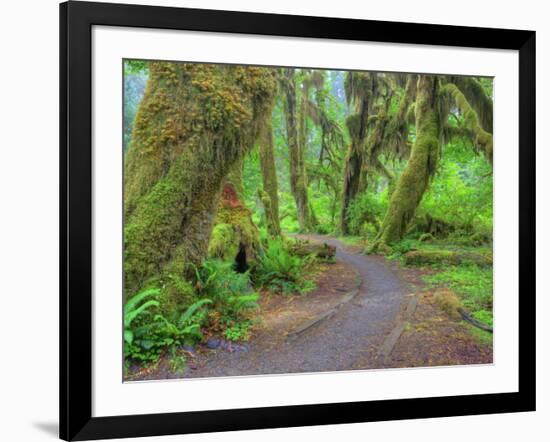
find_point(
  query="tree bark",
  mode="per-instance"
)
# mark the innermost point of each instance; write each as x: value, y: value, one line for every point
x: 361, y: 94
x: 414, y: 181
x: 298, y: 179
x: 270, y: 194
x: 194, y: 123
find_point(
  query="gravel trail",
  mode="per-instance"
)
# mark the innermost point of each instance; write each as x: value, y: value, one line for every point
x: 349, y: 339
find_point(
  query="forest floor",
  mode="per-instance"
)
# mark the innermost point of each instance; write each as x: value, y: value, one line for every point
x: 367, y: 312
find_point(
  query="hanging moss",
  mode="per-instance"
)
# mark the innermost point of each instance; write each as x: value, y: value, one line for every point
x: 360, y: 89
x: 472, y: 120
x: 194, y: 122
x: 477, y: 98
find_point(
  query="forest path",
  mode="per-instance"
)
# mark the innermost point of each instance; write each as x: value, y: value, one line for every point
x: 348, y: 339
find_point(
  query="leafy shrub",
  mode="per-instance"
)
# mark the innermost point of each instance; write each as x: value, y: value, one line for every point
x: 150, y: 329
x: 185, y: 330
x: 404, y: 246
x: 239, y: 331
x: 279, y: 270
x: 230, y: 291
x: 324, y: 228
x: 365, y: 213
x: 461, y: 193
x: 287, y: 213
x: 135, y: 307
x: 148, y: 339
x: 232, y: 294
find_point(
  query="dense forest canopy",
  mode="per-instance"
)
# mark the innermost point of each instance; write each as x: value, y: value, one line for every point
x: 221, y: 159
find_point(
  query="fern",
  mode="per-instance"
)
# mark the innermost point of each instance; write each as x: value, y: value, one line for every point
x: 186, y: 316
x: 132, y: 310
x: 135, y: 300
x: 243, y: 302
x: 280, y: 270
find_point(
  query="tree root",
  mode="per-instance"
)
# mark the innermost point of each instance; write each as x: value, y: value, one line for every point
x: 474, y: 321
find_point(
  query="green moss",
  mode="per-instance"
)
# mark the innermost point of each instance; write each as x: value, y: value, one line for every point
x: 482, y: 336
x: 420, y: 168
x: 245, y: 232
x: 296, y: 139
x: 449, y: 303
x: 445, y: 257
x: 473, y: 283
x: 270, y: 193
x: 430, y: 257
x: 194, y: 123
x: 472, y: 120
x: 177, y: 294
x: 224, y: 242
x: 477, y: 98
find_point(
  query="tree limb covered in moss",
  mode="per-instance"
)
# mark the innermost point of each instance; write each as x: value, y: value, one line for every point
x: 194, y: 123
x: 472, y: 120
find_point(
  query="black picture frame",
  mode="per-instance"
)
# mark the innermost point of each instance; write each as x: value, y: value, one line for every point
x: 76, y: 21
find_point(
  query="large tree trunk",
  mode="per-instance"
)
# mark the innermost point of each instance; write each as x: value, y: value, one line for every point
x: 360, y: 88
x: 421, y: 165
x: 194, y: 123
x: 270, y: 194
x: 352, y: 177
x: 298, y: 179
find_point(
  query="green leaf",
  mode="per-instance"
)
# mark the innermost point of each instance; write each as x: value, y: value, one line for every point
x: 130, y: 316
x: 128, y: 336
x: 135, y: 300
x: 191, y: 310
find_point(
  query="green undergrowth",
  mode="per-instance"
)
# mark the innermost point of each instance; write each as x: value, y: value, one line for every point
x: 281, y: 271
x: 464, y: 269
x: 217, y: 300
x: 352, y: 240
x: 222, y: 301
x: 481, y: 336
x: 474, y: 286
x: 447, y: 248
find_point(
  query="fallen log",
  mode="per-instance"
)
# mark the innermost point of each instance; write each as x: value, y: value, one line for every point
x: 324, y: 250
x: 428, y: 257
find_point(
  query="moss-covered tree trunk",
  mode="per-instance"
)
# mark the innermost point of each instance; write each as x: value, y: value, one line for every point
x: 235, y: 236
x: 270, y: 193
x: 421, y: 165
x: 352, y: 178
x: 359, y: 90
x: 298, y: 178
x: 194, y: 124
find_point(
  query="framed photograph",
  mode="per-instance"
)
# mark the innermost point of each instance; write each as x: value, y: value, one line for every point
x: 273, y: 220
